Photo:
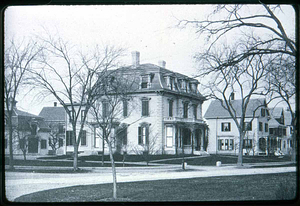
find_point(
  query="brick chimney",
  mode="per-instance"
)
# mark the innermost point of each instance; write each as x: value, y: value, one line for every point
x: 135, y: 58
x: 162, y: 63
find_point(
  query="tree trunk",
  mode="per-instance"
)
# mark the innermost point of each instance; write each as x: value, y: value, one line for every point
x: 24, y: 154
x: 113, y: 171
x: 11, y: 155
x: 240, y: 155
x: 75, y: 160
x: 104, y: 135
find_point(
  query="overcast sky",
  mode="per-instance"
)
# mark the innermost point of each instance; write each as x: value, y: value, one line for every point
x: 148, y: 29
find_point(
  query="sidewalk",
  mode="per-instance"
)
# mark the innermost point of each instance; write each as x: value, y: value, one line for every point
x: 21, y: 183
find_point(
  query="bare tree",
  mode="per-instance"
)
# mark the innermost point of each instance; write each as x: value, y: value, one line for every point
x: 70, y: 76
x: 55, y: 136
x: 282, y: 85
x: 18, y: 59
x: 234, y: 18
x: 265, y: 34
x: 149, y: 148
x: 111, y: 107
x: 246, y: 78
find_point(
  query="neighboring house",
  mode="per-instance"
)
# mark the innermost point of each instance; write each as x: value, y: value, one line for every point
x: 30, y: 132
x: 55, y: 118
x: 280, y: 138
x: 224, y: 134
x: 165, y: 110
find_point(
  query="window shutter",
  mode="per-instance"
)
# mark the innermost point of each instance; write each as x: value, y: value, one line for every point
x: 147, y: 135
x: 222, y: 125
x: 229, y: 126
x: 140, y: 141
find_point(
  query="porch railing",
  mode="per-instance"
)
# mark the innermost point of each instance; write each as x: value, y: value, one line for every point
x: 180, y: 119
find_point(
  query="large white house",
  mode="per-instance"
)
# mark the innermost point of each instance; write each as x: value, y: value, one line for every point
x: 224, y: 134
x: 164, y: 111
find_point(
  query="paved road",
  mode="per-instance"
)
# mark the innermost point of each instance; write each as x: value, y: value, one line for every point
x: 21, y: 183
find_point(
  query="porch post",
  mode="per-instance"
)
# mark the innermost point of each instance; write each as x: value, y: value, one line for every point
x: 193, y: 136
x: 202, y: 139
x: 176, y: 139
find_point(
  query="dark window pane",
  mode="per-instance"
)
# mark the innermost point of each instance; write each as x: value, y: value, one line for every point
x: 43, y: 144
x: 145, y: 108
x: 83, y: 137
x: 125, y: 106
x: 170, y: 108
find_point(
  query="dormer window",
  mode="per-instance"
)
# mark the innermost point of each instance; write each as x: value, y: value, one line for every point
x: 144, y: 83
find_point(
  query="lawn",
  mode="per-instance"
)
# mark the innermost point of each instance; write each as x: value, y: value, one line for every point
x: 65, y: 163
x: 117, y: 157
x: 228, y: 188
x: 227, y: 159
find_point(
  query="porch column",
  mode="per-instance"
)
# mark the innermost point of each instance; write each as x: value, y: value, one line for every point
x: 176, y: 139
x: 202, y: 139
x: 193, y: 133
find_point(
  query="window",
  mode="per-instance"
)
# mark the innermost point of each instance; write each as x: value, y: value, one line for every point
x: 72, y: 114
x: 6, y: 143
x: 145, y: 107
x: 61, y: 128
x: 260, y: 126
x: 220, y: 144
x: 248, y: 126
x: 143, y: 135
x: 170, y: 108
x: 284, y: 131
x: 185, y: 109
x: 43, y: 144
x: 263, y: 112
x: 225, y: 126
x: 33, y: 129
x: 144, y: 82
x: 195, y: 111
x: 247, y: 143
x: 22, y: 143
x: 169, y: 136
x: 125, y: 107
x: 231, y: 144
x: 122, y: 135
x: 69, y: 138
x: 225, y: 144
x: 279, y: 144
x: 60, y: 142
x: 83, y: 138
x: 82, y: 115
x: 104, y: 109
x: 284, y: 144
x: 266, y: 127
x: 271, y: 131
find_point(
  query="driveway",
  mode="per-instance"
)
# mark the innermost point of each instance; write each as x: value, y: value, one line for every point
x: 22, y: 183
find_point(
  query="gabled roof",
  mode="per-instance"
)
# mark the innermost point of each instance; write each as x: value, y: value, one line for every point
x: 274, y: 123
x: 216, y: 110
x: 276, y: 112
x: 53, y: 113
x: 287, y: 117
x: 25, y: 114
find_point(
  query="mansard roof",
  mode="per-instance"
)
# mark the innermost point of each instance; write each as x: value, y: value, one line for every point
x: 216, y: 110
x: 158, y: 82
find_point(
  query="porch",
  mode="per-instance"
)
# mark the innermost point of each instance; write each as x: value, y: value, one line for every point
x: 190, y: 136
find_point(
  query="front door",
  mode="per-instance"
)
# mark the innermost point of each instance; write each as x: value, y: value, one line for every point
x: 33, y: 145
x: 198, y: 140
